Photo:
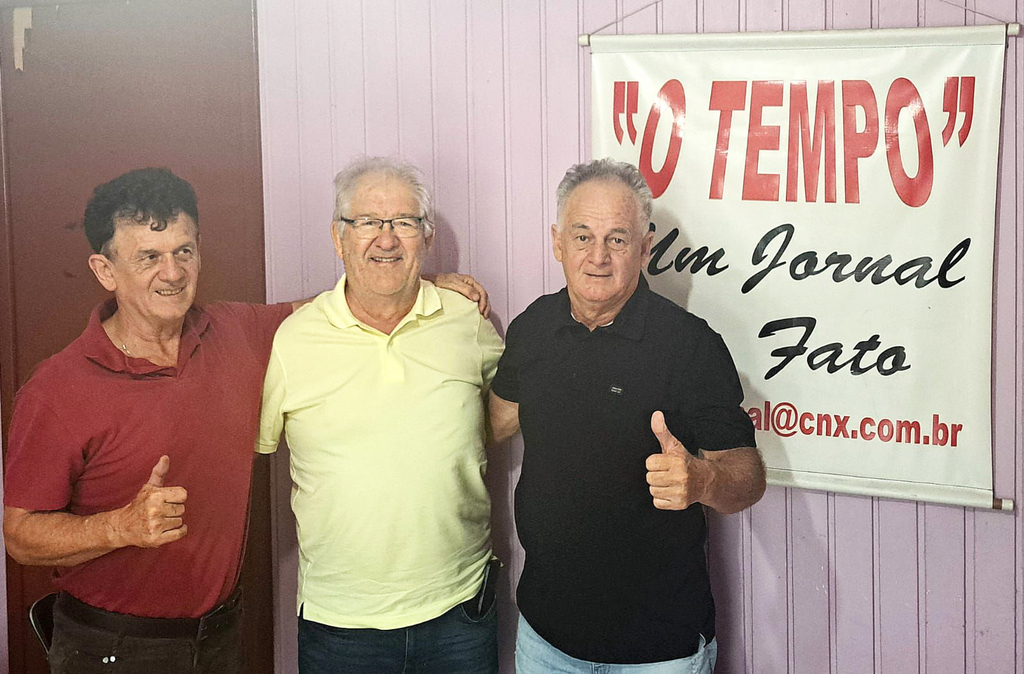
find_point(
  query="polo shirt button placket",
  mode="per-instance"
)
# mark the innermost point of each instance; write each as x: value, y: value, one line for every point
x: 393, y: 369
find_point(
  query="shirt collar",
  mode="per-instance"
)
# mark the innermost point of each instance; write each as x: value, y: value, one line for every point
x: 628, y: 323
x: 100, y: 350
x: 428, y: 302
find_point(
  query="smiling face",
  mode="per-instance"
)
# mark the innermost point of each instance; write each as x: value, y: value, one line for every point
x: 385, y: 267
x: 602, y: 245
x: 153, y: 274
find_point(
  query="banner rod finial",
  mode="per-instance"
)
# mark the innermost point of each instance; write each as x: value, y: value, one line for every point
x: 584, y: 40
x: 1002, y: 503
x: 1013, y: 29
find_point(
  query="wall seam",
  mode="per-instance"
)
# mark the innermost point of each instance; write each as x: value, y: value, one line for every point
x: 470, y: 145
x: 1018, y: 343
x: 303, y: 239
x: 790, y: 608
x: 922, y: 588
x: 398, y: 69
x: 876, y: 609
x: 545, y: 160
x: 507, y: 132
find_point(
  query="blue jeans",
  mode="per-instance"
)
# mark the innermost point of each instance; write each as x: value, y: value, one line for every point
x: 452, y: 643
x: 536, y: 656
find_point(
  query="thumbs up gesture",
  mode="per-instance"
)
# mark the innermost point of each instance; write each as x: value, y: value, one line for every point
x: 677, y: 479
x: 154, y: 517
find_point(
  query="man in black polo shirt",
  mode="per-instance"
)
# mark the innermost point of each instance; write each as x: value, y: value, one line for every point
x: 603, y: 377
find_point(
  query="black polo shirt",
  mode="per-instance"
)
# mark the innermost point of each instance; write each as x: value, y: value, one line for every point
x: 608, y: 577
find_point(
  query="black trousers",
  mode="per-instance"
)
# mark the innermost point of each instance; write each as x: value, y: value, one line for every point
x: 88, y: 640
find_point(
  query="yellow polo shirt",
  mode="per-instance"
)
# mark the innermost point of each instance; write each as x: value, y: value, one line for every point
x: 386, y: 434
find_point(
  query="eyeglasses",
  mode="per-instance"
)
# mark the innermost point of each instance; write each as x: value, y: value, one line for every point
x: 586, y: 241
x: 370, y: 228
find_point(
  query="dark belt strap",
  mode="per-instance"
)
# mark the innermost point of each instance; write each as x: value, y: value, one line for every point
x: 219, y: 618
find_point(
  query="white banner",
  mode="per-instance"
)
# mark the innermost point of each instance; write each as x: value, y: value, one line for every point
x: 827, y: 202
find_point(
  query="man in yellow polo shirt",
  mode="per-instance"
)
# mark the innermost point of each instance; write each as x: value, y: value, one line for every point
x: 378, y: 386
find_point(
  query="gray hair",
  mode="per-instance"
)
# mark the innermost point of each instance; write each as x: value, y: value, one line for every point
x: 348, y: 179
x: 608, y: 169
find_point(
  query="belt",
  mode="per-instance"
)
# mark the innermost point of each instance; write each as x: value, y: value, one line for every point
x: 220, y: 618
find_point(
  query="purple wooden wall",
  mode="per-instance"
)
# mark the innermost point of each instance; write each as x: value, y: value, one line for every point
x: 490, y: 98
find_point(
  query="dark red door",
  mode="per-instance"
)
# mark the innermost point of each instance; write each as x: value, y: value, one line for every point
x: 89, y: 90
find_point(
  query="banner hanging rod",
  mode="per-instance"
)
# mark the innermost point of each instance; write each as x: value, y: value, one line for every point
x: 1012, y: 30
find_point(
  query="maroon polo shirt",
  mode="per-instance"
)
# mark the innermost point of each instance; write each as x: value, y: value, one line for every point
x: 91, y: 423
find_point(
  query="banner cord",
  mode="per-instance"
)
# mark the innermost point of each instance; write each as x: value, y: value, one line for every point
x: 625, y: 16
x: 974, y: 11
x: 585, y: 39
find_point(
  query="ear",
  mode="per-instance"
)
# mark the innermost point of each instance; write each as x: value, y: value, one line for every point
x: 556, y: 242
x: 102, y: 269
x: 336, y: 235
x: 428, y: 240
x: 645, y: 247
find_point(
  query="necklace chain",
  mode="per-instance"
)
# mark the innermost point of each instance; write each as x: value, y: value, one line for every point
x: 127, y: 352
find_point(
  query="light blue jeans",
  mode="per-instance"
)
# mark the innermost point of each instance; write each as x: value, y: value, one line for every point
x: 536, y: 656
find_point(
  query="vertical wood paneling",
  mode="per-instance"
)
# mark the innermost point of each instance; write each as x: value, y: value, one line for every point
x: 811, y: 642
x: 641, y: 20
x: 449, y: 99
x: 279, y: 121
x: 316, y: 160
x: 942, y: 561
x: 601, y: 16
x: 414, y: 86
x: 1016, y: 56
x: 489, y: 206
x: 491, y: 99
x: 721, y: 16
x: 346, y: 87
x: 898, y: 533
x: 281, y: 201
x: 679, y: 17
x: 381, y: 77
x: 897, y: 628
x: 487, y: 153
x: 994, y: 564
x: 849, y: 14
x: 526, y: 152
x: 772, y: 570
x: 347, y: 83
x: 809, y: 563
x: 852, y: 517
x: 943, y: 570
x: 897, y: 13
x: 730, y: 586
x: 562, y: 60
x: 595, y: 17
x: 805, y: 15
x: 762, y: 15
x: 853, y: 597
x: 416, y: 114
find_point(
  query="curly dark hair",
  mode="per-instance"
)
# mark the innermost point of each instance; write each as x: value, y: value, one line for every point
x: 141, y: 195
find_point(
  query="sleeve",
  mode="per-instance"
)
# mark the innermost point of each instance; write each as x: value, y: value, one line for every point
x: 261, y: 322
x: 506, y: 381
x: 491, y: 346
x: 43, y: 462
x: 272, y: 414
x: 712, y: 407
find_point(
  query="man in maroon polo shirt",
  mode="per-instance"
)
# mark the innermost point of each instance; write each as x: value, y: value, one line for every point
x: 130, y: 451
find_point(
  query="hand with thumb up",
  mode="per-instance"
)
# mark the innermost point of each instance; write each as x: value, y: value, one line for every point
x: 154, y: 517
x: 677, y: 479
